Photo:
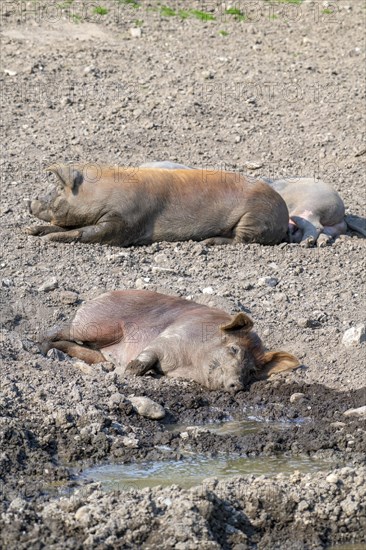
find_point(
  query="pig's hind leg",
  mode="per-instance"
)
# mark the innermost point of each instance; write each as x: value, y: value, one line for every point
x: 309, y: 226
x: 72, y: 349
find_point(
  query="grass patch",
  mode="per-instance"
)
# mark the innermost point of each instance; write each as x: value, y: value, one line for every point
x: 183, y: 14
x: 327, y: 11
x: 202, y: 15
x: 296, y: 2
x: 99, y: 10
x: 166, y: 11
x: 76, y: 18
x: 138, y: 22
x: 223, y: 33
x: 132, y: 3
x: 237, y: 14
x: 64, y: 5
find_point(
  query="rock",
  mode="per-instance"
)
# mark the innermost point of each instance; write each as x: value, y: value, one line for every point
x: 252, y: 165
x: 83, y: 367
x: 48, y: 285
x: 68, y: 297
x: 360, y: 412
x: 355, y: 335
x: 116, y: 400
x: 295, y: 397
x: 130, y: 441
x: 269, y: 281
x: 139, y: 284
x: 56, y: 355
x: 160, y: 258
x: 148, y: 408
x: 136, y: 32
x: 9, y: 72
x: 83, y: 515
x: 332, y: 478
x: 207, y: 290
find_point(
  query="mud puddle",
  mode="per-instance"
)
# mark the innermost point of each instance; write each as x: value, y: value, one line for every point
x: 192, y: 470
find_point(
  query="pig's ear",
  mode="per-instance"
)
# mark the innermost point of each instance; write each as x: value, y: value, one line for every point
x: 239, y: 322
x: 67, y: 175
x: 277, y: 361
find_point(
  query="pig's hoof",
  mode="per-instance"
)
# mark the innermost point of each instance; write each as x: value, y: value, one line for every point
x: 35, y: 230
x: 323, y: 240
x: 308, y: 243
x: 136, y: 368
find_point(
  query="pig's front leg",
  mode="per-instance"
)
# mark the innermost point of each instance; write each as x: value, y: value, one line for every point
x: 147, y: 360
x: 42, y: 230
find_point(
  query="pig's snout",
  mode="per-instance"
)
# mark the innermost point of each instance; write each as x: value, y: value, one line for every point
x: 234, y: 386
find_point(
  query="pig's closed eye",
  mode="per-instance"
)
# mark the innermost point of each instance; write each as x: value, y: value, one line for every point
x: 234, y: 350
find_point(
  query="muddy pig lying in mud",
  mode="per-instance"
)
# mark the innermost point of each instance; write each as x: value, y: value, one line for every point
x: 141, y: 331
x: 316, y: 210
x: 139, y: 206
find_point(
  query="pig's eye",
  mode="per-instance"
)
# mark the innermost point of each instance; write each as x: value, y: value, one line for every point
x: 234, y: 350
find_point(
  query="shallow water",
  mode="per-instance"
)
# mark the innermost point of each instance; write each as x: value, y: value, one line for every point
x: 192, y: 470
x: 361, y: 546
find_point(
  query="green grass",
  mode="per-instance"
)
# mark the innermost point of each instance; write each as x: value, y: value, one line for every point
x: 202, y: 15
x: 132, y: 3
x: 166, y: 11
x: 238, y: 14
x: 223, y: 33
x: 64, y: 5
x: 327, y: 12
x: 76, y: 18
x: 297, y: 2
x: 138, y: 22
x: 99, y: 10
x: 183, y: 14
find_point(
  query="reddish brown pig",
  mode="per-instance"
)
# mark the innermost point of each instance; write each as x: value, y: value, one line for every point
x: 139, y: 206
x: 141, y: 331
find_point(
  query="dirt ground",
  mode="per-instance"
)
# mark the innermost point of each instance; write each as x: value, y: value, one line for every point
x: 280, y: 85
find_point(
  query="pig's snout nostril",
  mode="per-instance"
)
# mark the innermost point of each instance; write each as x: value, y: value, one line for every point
x: 235, y: 387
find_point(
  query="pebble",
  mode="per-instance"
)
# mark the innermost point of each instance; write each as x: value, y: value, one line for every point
x: 354, y: 335
x: 83, y: 367
x: 68, y: 297
x: 207, y: 290
x: 148, y: 408
x: 56, y: 354
x: 9, y: 72
x: 360, y: 411
x: 269, y: 281
x: 332, y: 478
x: 116, y: 400
x: 48, y: 285
x: 252, y: 165
x: 136, y: 32
x: 131, y: 442
x: 295, y: 397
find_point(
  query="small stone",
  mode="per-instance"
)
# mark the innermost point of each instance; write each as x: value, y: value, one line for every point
x: 207, y: 290
x: 355, y: 335
x: 56, y: 355
x: 296, y: 397
x: 9, y: 72
x: 131, y: 442
x: 332, y: 478
x: 65, y: 101
x: 253, y: 165
x: 360, y: 412
x: 139, y: 284
x: 160, y: 258
x: 116, y: 400
x: 269, y: 281
x: 84, y: 367
x: 82, y: 515
x: 48, y: 285
x: 207, y: 75
x: 136, y: 32
x: 68, y: 297
x: 337, y: 424
x: 89, y: 69
x: 148, y: 408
